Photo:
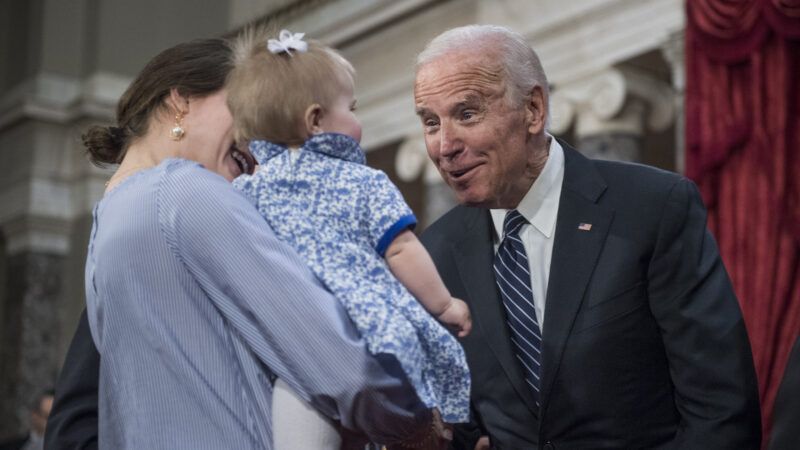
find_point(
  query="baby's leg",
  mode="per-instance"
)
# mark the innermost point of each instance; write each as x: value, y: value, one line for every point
x: 298, y: 426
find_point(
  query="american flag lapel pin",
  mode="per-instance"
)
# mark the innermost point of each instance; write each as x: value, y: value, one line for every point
x: 585, y: 226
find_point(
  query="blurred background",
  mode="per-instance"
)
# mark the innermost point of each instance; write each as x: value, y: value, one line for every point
x: 708, y: 89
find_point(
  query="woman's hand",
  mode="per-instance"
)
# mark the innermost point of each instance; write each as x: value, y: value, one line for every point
x: 437, y: 437
x: 352, y: 440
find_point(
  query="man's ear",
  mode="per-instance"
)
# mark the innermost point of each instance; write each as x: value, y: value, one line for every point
x: 536, y: 110
x: 313, y: 117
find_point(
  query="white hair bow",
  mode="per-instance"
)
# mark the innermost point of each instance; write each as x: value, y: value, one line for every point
x: 288, y: 41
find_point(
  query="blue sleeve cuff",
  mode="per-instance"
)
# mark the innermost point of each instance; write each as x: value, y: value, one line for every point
x: 407, y: 221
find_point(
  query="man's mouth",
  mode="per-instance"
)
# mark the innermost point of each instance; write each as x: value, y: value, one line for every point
x: 244, y: 160
x: 461, y: 172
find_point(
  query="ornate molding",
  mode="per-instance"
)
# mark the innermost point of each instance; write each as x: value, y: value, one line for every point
x: 584, y: 36
x: 37, y: 234
x: 616, y: 99
x: 56, y: 98
x: 339, y: 21
x: 36, y: 214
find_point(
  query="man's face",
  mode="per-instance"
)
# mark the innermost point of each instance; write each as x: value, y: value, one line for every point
x: 480, y: 142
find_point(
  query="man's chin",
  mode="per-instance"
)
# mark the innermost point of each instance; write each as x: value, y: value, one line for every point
x: 470, y: 198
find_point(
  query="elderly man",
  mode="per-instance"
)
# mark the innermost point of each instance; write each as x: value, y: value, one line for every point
x: 604, y: 316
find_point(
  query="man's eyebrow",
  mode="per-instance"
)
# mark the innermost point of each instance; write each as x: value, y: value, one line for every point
x: 470, y: 100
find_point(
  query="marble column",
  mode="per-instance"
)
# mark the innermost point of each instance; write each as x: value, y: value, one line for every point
x: 674, y: 52
x: 30, y: 323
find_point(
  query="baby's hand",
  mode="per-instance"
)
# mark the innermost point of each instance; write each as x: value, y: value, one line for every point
x: 456, y: 317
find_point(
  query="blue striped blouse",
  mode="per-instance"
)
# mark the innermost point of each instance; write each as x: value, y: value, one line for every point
x: 195, y: 306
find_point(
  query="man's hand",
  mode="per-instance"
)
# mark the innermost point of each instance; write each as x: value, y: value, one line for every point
x: 483, y: 443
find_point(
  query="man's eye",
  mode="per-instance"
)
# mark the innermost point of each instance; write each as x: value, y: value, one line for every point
x: 467, y: 114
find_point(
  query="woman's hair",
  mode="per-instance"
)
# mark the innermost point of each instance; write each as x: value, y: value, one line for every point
x: 268, y: 93
x: 196, y: 68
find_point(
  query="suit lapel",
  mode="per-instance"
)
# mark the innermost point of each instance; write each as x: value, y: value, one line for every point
x: 474, y: 256
x: 575, y: 253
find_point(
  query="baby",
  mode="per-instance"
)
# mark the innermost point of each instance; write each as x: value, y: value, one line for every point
x: 293, y: 101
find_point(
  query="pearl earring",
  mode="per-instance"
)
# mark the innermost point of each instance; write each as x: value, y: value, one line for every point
x: 177, y: 131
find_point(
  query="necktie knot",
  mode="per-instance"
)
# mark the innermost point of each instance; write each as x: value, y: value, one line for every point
x: 512, y: 223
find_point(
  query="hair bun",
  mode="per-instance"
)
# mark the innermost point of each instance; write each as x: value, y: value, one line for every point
x: 104, y: 145
x: 118, y: 135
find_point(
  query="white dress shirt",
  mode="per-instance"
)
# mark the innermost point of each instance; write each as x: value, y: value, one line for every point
x: 540, y: 208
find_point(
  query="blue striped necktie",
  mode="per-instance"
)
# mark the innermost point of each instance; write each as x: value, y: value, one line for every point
x: 514, y: 281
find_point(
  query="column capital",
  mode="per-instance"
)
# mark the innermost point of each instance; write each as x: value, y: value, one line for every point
x: 618, y: 99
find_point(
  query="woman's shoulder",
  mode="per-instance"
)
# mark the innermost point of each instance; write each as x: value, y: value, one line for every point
x: 179, y: 167
x: 183, y: 183
x: 183, y: 174
x: 191, y: 197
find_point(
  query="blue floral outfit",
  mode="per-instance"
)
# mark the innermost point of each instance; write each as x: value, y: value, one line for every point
x: 341, y: 216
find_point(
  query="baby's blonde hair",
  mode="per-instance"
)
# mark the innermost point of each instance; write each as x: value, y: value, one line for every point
x: 268, y: 93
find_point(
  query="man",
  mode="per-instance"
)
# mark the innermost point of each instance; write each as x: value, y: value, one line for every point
x: 40, y: 409
x: 604, y: 317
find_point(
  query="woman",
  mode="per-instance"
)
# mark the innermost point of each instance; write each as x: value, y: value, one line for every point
x: 193, y: 303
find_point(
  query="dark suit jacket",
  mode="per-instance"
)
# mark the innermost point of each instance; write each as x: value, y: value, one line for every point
x: 14, y: 443
x: 644, y: 345
x: 786, y: 414
x: 72, y: 423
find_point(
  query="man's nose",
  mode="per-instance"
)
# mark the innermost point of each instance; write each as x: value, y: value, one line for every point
x: 449, y: 141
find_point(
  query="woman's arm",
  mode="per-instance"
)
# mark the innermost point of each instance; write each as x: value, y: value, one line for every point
x: 294, y: 326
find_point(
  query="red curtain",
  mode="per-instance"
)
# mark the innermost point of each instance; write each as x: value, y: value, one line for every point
x: 743, y: 150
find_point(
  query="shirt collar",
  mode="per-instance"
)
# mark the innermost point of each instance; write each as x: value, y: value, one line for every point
x: 332, y: 144
x: 540, y: 204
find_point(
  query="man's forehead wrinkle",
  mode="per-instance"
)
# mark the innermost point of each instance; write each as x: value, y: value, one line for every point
x: 476, y: 79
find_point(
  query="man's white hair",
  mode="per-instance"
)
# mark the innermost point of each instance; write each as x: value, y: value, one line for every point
x: 522, y: 67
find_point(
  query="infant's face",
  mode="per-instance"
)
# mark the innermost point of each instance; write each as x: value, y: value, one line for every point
x: 340, y: 117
